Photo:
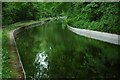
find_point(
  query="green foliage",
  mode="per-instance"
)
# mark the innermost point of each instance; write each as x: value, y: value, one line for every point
x: 15, y: 12
x: 89, y: 15
x: 96, y: 16
x: 5, y: 51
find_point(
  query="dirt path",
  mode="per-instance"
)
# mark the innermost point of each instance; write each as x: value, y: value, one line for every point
x: 15, y: 61
x: 15, y: 25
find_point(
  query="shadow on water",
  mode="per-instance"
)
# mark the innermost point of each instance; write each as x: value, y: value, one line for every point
x: 52, y: 51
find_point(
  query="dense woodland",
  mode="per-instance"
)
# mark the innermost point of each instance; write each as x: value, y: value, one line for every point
x: 87, y: 15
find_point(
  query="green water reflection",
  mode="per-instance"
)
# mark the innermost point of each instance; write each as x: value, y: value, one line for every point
x: 50, y: 51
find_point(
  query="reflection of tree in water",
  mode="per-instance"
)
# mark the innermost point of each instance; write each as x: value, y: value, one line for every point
x: 41, y: 64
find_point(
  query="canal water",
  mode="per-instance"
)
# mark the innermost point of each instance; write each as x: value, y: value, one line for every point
x: 52, y: 51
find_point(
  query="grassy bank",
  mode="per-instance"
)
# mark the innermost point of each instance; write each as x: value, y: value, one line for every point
x: 6, y: 71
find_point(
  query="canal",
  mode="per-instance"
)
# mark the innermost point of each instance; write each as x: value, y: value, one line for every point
x: 52, y: 51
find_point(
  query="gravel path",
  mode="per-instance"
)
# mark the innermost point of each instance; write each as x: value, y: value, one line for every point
x: 15, y: 25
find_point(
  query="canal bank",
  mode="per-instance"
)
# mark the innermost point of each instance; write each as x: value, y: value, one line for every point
x: 15, y: 61
x: 102, y: 36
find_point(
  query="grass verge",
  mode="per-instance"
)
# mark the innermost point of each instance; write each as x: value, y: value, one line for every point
x: 6, y: 69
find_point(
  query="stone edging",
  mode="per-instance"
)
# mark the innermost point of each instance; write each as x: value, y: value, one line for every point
x: 17, y: 64
x: 106, y: 37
